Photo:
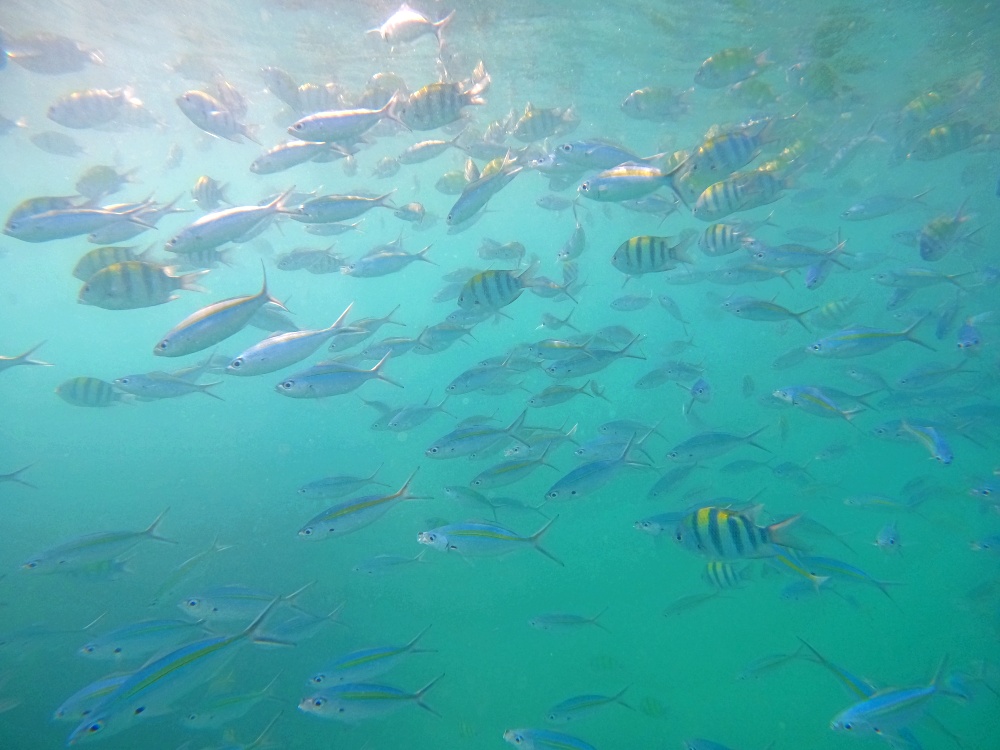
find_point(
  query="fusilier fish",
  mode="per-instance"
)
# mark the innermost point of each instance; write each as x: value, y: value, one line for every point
x: 282, y: 349
x: 212, y: 324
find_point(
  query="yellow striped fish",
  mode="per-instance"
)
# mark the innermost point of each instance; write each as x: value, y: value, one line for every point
x: 723, y: 534
x: 134, y: 283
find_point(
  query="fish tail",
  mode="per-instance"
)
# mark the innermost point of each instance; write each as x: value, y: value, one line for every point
x: 908, y: 334
x: 375, y: 474
x: 595, y: 621
x: 537, y: 537
x: 151, y: 529
x: 203, y: 388
x: 339, y: 321
x: 750, y: 439
x: 381, y: 200
x: 377, y: 370
x: 278, y: 205
x: 798, y: 317
x: 778, y: 534
x: 15, y: 476
x: 419, y: 696
x: 404, y: 491
x: 422, y: 255
x: 250, y: 132
x: 253, y: 630
x: 189, y: 281
x: 413, y: 641
x: 389, y: 110
x: 25, y: 359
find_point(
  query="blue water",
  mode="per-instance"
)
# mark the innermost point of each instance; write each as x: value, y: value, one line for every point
x: 229, y: 469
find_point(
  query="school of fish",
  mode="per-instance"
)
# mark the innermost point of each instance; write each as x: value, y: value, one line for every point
x: 562, y: 297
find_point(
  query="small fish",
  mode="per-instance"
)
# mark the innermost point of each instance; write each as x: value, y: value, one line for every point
x: 209, y: 193
x: 729, y: 66
x: 559, y: 621
x: 91, y: 549
x: 353, y: 702
x: 408, y: 24
x: 711, y: 444
x: 91, y: 392
x: 212, y: 324
x: 581, y: 706
x: 209, y: 114
x: 544, y: 739
x: 483, y: 539
x: 351, y: 515
x: 381, y: 564
x: 367, y: 663
x: 861, y: 341
x: 138, y: 640
x: 153, y: 386
x: 887, y: 538
x: 657, y: 103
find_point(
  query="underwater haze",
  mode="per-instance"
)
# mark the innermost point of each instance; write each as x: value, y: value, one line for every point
x: 570, y: 375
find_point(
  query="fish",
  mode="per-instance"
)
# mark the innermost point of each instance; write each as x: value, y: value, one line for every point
x: 282, y: 350
x: 381, y: 564
x: 581, y: 706
x: 138, y: 640
x: 887, y: 538
x: 861, y: 341
x: 91, y: 392
x: 439, y: 104
x: 154, y: 687
x: 228, y: 225
x: 353, y: 702
x: 91, y: 108
x: 333, y: 209
x: 657, y: 103
x: 711, y: 444
x: 338, y: 486
x: 479, y: 538
x: 83, y: 702
x: 407, y: 25
x: 368, y: 663
x: 646, y: 254
x: 213, y: 324
x: 153, y: 386
x: 628, y: 181
x: 729, y: 66
x: 561, y: 621
x: 132, y: 284
x: 23, y: 359
x: 721, y: 534
x: 209, y: 193
x: 342, y: 126
x: 544, y: 739
x: 752, y: 308
x: 212, y: 116
x: 932, y: 439
x: 219, y: 711
x: 92, y: 549
x: 332, y: 379
x: 889, y: 709
x: 350, y: 515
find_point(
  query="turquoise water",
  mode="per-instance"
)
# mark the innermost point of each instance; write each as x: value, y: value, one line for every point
x: 230, y: 469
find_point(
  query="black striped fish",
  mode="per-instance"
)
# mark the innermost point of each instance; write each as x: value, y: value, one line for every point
x: 646, y: 254
x: 134, y: 283
x: 493, y: 289
x: 89, y: 392
x: 438, y: 104
x: 723, y: 534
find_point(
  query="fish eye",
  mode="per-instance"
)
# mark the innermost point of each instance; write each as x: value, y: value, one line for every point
x: 816, y: 347
x: 307, y: 531
x: 848, y: 726
x: 566, y: 148
x: 192, y: 602
x: 88, y: 649
x: 124, y: 381
x: 117, y: 650
x: 287, y: 385
x: 585, y: 187
x: 32, y: 564
x: 340, y: 710
x: 96, y: 727
x: 162, y: 346
x: 433, y: 450
x: 236, y: 363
